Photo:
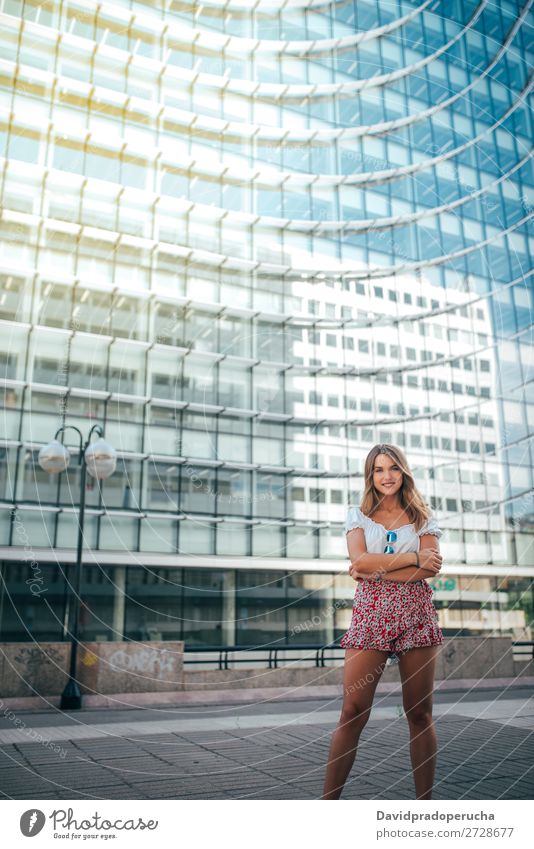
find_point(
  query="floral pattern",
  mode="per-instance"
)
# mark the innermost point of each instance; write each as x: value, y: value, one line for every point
x: 393, y: 617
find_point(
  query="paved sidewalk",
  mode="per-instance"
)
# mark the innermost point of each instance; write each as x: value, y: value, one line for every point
x: 276, y: 750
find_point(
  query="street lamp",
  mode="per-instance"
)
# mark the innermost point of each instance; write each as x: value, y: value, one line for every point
x: 99, y: 459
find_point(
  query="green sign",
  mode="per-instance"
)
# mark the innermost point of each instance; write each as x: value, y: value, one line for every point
x: 447, y: 584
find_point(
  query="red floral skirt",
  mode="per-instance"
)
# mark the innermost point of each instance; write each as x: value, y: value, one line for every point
x: 393, y: 617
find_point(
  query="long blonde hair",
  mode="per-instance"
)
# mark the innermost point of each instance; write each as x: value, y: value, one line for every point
x: 410, y: 498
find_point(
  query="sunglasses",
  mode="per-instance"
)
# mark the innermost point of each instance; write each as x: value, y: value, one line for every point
x: 391, y: 536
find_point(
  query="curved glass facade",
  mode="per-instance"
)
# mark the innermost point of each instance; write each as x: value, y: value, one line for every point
x: 252, y: 240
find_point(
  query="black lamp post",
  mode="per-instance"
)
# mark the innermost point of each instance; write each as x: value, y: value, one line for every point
x: 99, y: 459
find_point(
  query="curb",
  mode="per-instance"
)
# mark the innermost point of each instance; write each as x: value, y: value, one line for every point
x: 197, y: 698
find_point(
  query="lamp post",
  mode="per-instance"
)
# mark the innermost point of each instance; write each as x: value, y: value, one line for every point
x: 99, y: 459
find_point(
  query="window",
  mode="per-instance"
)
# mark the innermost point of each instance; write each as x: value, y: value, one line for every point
x: 392, y: 295
x: 451, y: 505
x: 331, y: 340
x: 411, y: 354
x: 363, y: 346
x: 484, y: 365
x: 407, y: 298
x: 379, y: 292
x: 297, y: 493
x: 380, y: 349
x: 360, y: 289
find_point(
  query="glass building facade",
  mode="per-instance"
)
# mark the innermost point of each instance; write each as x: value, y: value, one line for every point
x: 252, y: 240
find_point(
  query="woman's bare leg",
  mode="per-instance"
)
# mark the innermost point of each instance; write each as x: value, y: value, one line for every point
x: 417, y: 667
x: 361, y: 674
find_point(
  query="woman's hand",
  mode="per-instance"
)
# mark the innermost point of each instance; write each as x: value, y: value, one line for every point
x: 431, y: 559
x: 354, y: 573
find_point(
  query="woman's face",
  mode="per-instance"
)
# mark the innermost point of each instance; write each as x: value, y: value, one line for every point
x: 387, y: 476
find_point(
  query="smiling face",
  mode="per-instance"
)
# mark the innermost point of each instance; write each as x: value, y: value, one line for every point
x: 387, y: 476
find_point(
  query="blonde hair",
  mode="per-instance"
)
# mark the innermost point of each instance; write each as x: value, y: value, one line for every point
x: 410, y: 498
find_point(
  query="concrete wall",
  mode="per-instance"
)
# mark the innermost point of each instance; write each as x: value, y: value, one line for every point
x: 458, y: 657
x: 27, y: 669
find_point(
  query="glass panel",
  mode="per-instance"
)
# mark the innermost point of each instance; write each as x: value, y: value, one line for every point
x: 101, y: 611
x: 23, y: 616
x: 118, y: 533
x: 154, y: 604
x: 260, y: 608
x: 203, y: 607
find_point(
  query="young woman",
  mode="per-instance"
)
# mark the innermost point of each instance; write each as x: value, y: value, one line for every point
x: 393, y: 547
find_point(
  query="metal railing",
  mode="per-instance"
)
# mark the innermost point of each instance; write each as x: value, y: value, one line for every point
x: 529, y: 648
x: 270, y: 657
x: 319, y: 654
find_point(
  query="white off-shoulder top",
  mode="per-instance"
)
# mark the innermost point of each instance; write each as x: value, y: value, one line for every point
x: 375, y: 533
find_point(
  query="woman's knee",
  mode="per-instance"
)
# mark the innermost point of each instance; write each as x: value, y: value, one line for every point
x: 354, y: 713
x: 420, y: 715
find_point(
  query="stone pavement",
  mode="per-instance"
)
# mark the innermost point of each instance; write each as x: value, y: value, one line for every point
x: 258, y: 750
